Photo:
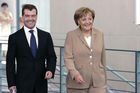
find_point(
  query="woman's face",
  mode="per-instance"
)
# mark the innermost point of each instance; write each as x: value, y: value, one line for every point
x: 4, y: 8
x: 86, y: 22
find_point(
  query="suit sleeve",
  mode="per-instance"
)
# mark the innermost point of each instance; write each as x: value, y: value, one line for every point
x: 68, y: 56
x: 10, y: 62
x: 51, y: 56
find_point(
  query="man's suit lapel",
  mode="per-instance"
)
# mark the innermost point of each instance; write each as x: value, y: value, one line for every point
x: 39, y: 42
x: 40, y: 39
x: 25, y: 42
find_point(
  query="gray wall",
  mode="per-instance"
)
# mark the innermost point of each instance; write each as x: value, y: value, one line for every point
x: 114, y: 17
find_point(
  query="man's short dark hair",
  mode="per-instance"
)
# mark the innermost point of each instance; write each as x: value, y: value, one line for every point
x: 29, y: 7
x: 4, y: 4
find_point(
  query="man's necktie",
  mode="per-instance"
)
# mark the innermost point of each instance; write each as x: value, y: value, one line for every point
x: 33, y: 44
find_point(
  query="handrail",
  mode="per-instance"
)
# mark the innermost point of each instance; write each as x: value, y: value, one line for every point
x: 123, y: 50
x: 121, y: 77
x: 115, y: 72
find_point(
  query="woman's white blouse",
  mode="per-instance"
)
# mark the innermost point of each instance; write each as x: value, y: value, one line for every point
x: 88, y: 40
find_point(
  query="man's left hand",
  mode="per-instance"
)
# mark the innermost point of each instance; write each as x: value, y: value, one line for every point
x: 48, y: 75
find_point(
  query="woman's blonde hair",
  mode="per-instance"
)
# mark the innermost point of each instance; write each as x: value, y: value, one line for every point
x: 83, y: 11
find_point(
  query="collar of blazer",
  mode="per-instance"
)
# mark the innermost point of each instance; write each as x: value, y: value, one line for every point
x: 81, y: 36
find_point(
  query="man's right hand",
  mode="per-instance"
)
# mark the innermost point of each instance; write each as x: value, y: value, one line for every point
x: 12, y: 88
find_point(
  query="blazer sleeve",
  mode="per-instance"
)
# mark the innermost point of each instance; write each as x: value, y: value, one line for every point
x: 10, y: 62
x: 51, y: 56
x: 68, y: 56
x: 103, y: 57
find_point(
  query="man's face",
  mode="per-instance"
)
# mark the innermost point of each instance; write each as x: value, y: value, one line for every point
x: 29, y: 18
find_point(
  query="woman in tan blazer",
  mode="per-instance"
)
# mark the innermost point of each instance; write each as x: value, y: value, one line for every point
x: 84, y: 55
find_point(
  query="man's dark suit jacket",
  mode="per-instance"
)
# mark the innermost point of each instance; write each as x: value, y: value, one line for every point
x: 30, y: 72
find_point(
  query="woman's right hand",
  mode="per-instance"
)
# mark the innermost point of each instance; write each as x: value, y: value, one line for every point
x: 79, y: 79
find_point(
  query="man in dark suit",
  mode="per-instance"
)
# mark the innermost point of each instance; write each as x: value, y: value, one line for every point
x: 31, y: 48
